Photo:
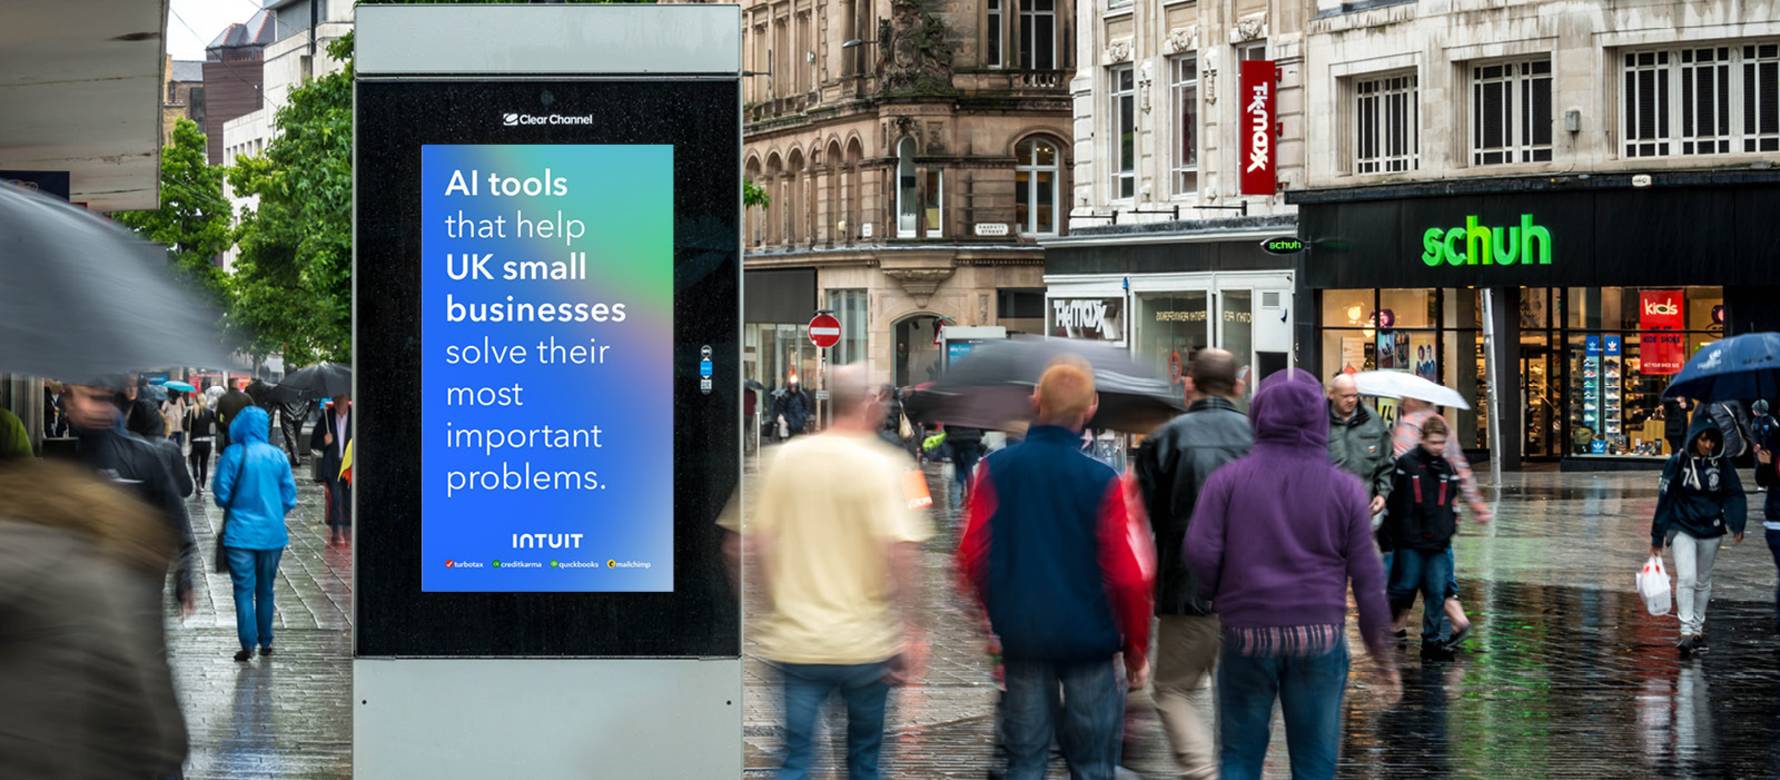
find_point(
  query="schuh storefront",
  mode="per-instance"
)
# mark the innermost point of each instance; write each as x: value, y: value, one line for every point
x: 1601, y: 290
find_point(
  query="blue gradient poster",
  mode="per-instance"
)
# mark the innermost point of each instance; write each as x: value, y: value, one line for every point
x: 547, y: 339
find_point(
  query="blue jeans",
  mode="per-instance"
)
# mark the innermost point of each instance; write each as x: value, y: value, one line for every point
x: 254, y: 573
x: 1773, y: 538
x: 1086, y: 722
x: 1426, y: 572
x: 1309, y: 691
x: 865, y: 692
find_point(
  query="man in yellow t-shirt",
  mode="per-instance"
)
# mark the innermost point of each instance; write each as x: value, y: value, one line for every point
x: 838, y: 545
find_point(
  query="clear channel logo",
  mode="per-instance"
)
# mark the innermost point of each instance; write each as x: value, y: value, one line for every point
x: 516, y: 119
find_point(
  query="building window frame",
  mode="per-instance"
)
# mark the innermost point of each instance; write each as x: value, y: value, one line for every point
x: 908, y: 216
x: 1512, y: 98
x: 1121, y: 120
x: 1030, y: 169
x: 852, y: 306
x: 1700, y: 100
x: 1038, y: 34
x: 995, y: 33
x: 1183, y: 90
x: 1386, y: 123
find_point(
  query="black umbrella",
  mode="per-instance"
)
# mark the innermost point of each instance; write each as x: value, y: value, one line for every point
x: 992, y: 386
x: 322, y: 380
x: 81, y: 297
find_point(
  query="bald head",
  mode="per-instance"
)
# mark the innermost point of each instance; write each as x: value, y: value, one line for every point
x: 1065, y: 395
x: 1344, y: 395
x: 856, y: 403
x: 1213, y: 372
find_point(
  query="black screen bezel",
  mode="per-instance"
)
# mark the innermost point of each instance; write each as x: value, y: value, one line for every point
x: 394, y: 118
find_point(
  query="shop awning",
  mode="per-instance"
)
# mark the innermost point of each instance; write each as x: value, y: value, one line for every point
x: 80, y: 91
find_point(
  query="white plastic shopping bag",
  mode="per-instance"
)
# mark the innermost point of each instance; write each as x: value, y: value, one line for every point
x: 1653, y: 585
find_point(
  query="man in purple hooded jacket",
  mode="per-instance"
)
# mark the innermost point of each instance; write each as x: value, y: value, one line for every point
x: 1274, y: 541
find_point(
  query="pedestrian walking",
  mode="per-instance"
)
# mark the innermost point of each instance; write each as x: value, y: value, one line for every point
x: 839, y: 548
x: 141, y: 415
x: 173, y: 410
x: 228, y: 407
x: 15, y: 441
x: 201, y: 426
x: 1699, y: 500
x: 254, y: 488
x: 966, y: 448
x: 83, y: 655
x: 1359, y: 443
x: 791, y: 408
x: 1172, y: 468
x: 329, y: 441
x: 1047, y: 550
x: 1405, y: 437
x: 1275, y: 540
x: 1767, y: 475
x: 1418, y: 532
x: 1675, y: 411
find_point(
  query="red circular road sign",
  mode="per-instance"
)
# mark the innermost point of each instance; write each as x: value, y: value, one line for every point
x: 825, y: 330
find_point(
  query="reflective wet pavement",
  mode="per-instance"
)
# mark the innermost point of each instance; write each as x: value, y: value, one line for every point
x: 1565, y: 676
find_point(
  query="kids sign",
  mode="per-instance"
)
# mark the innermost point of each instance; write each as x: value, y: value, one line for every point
x: 1258, y: 166
x: 1661, y: 316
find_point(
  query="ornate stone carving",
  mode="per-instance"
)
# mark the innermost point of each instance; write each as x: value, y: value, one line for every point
x: 917, y: 57
x: 1182, y: 39
x: 1118, y: 51
x: 919, y: 283
x: 1249, y: 28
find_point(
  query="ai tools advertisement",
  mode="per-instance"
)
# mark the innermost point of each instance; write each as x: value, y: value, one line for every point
x: 546, y: 380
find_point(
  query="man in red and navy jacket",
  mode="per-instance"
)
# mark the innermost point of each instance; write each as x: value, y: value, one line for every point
x: 1048, y: 552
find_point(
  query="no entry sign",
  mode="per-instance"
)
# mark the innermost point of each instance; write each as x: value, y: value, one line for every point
x: 825, y: 330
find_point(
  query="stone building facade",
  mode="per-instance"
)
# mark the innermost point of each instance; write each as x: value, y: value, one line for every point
x: 912, y: 154
x: 1581, y: 191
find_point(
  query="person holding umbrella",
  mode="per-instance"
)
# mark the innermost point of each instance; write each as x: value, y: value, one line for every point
x: 329, y: 441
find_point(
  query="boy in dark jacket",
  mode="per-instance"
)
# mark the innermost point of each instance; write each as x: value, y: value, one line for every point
x: 1698, y: 500
x: 1419, y: 527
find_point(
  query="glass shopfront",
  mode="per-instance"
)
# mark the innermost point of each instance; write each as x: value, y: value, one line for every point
x: 1592, y: 362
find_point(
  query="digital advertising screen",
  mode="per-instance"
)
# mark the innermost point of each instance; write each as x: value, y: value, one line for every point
x: 547, y: 330
x: 548, y: 361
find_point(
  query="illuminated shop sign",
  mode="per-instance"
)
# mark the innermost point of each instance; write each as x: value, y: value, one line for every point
x: 1477, y: 244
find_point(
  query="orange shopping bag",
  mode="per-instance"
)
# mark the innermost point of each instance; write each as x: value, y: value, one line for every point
x: 914, y: 486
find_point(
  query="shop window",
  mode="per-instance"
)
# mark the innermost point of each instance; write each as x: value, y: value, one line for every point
x: 1701, y: 100
x: 1511, y: 112
x: 1035, y: 187
x: 1123, y: 118
x: 1387, y: 124
x: 1347, y: 308
x: 1167, y: 328
x: 1038, y: 34
x: 1407, y: 308
x: 850, y: 307
x: 1020, y: 310
x: 1183, y: 89
x: 992, y: 26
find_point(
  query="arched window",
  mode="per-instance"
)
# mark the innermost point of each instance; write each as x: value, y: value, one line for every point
x: 1035, y: 187
x: 908, y: 198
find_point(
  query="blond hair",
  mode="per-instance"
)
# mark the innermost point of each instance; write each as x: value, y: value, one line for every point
x: 1065, y: 391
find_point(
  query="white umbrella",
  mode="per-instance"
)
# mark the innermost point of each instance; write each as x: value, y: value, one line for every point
x: 1402, y: 384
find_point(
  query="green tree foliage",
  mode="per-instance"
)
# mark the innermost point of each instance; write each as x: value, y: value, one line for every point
x: 292, y: 285
x: 193, y: 220
x: 754, y: 195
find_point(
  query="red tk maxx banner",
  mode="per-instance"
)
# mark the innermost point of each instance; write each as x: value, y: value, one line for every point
x: 1255, y: 127
x: 1662, y: 353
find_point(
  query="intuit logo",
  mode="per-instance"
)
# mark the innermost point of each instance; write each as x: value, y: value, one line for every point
x: 1474, y: 244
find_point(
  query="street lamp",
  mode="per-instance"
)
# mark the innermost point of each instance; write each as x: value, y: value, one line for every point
x: 855, y: 43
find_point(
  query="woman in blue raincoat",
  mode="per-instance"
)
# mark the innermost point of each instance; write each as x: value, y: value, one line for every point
x: 254, y: 486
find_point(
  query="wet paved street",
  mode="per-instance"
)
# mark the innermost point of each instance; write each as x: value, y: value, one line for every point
x: 288, y: 715
x: 1565, y: 676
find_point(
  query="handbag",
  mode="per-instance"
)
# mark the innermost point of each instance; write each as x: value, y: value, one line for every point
x: 221, y: 555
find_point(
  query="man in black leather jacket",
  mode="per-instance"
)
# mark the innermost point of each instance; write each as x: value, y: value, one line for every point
x: 1172, y: 467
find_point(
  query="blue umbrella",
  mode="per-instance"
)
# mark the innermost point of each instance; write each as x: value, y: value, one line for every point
x: 1740, y: 368
x: 174, y: 384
